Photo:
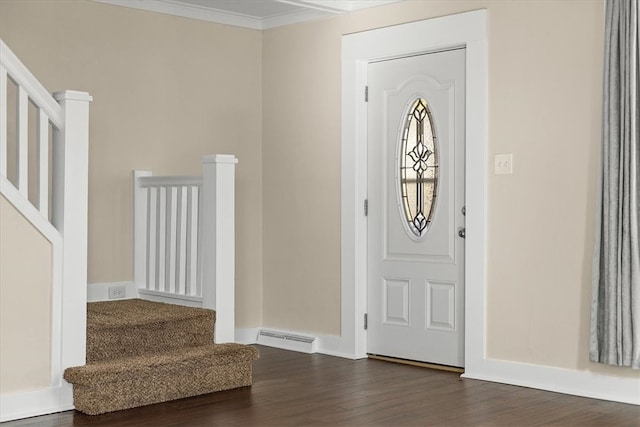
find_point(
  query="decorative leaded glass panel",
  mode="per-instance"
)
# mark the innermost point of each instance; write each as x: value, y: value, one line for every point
x: 418, y: 162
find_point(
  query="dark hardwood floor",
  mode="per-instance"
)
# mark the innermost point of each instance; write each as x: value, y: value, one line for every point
x: 295, y: 389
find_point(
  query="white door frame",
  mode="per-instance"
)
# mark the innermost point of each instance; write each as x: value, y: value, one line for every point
x: 466, y: 29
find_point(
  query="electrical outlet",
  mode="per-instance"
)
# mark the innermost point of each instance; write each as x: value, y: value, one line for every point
x: 503, y: 164
x: 116, y: 292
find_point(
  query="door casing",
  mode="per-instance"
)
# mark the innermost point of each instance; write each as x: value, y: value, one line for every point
x: 466, y: 29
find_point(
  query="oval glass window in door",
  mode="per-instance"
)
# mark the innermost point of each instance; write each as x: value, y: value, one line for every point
x: 418, y: 163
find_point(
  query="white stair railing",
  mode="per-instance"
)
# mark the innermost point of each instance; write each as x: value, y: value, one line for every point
x: 184, y: 250
x: 49, y: 112
x: 170, y: 227
x: 65, y: 115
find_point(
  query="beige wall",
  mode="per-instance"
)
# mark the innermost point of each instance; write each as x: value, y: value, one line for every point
x: 166, y: 91
x: 25, y: 303
x: 301, y: 173
x: 545, y: 62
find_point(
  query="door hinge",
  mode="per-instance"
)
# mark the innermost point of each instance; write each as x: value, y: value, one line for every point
x: 366, y: 207
x: 366, y: 321
x: 366, y: 94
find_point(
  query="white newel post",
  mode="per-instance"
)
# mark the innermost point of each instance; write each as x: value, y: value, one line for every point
x: 70, y: 187
x: 140, y: 224
x: 218, y: 242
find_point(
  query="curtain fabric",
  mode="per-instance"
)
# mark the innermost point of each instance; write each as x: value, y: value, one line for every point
x: 615, y: 311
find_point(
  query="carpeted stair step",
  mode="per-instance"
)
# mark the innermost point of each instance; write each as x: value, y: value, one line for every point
x: 129, y: 382
x: 128, y: 328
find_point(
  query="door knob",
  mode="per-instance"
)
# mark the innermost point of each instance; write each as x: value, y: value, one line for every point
x: 461, y: 232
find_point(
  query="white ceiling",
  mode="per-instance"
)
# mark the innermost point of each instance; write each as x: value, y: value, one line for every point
x: 255, y: 14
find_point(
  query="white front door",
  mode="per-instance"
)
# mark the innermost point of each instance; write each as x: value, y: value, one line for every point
x: 416, y: 137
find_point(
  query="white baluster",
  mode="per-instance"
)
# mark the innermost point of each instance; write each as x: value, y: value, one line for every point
x: 170, y: 243
x: 43, y: 163
x: 3, y: 121
x: 161, y: 233
x: 192, y: 242
x: 152, y: 244
x: 199, y: 245
x: 23, y: 142
x: 181, y: 259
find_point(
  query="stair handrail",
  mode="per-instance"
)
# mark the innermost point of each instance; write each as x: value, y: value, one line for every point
x: 21, y: 75
x: 67, y: 113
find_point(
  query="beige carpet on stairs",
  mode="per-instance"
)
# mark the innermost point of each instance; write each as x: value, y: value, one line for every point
x: 135, y: 327
x: 141, y: 352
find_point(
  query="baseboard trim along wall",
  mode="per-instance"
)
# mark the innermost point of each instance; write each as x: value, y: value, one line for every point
x: 560, y: 380
x: 288, y: 341
x: 247, y: 335
x: 27, y: 404
x: 100, y: 291
x: 325, y: 344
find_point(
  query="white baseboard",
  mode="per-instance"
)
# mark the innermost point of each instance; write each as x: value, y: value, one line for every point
x: 288, y: 341
x: 286, y: 344
x: 330, y: 345
x: 37, y: 402
x: 247, y: 335
x: 559, y: 380
x: 567, y: 381
x: 170, y: 298
x: 100, y: 291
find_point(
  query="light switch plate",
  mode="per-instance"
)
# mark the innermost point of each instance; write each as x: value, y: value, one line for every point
x: 503, y: 164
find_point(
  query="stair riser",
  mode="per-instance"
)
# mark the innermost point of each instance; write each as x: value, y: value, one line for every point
x: 115, y: 396
x: 138, y: 340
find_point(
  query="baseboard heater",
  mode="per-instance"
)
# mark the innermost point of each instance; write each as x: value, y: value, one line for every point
x: 287, y: 341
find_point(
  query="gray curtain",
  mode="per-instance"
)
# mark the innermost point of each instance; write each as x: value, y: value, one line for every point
x: 615, y: 312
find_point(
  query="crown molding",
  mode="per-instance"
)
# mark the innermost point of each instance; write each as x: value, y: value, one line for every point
x: 339, y: 6
x: 169, y: 7
x: 310, y: 10
x: 293, y: 18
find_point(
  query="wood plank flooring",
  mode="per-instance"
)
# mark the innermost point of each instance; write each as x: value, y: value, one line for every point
x: 295, y: 389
